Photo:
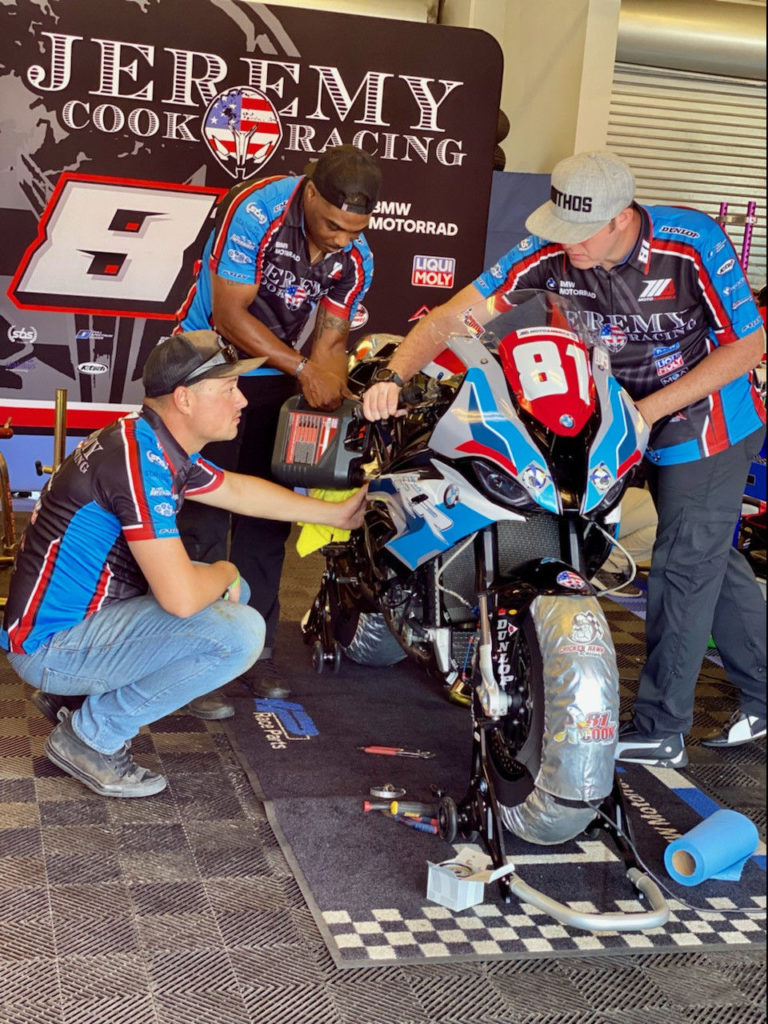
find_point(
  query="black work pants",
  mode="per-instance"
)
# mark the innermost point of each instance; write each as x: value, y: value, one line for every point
x: 700, y: 584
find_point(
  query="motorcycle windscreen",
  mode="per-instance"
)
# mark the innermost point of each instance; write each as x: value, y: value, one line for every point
x: 549, y: 373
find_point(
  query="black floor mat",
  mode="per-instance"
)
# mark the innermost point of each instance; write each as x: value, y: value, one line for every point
x: 365, y: 876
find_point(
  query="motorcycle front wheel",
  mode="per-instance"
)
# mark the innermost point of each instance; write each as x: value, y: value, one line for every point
x: 515, y: 751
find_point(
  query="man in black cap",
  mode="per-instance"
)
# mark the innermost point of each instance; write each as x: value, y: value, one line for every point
x: 281, y: 277
x: 104, y: 600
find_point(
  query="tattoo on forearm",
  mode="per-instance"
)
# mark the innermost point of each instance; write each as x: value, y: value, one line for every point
x: 327, y: 321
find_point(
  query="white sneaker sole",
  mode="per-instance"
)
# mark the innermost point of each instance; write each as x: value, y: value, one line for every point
x: 147, y: 789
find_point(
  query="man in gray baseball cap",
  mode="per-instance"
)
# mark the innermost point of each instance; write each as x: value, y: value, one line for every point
x: 665, y: 291
x: 588, y: 191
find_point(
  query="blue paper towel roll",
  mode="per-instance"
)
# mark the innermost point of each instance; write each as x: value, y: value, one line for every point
x: 717, y: 847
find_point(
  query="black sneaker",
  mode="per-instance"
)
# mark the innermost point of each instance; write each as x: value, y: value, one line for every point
x: 106, y: 774
x: 664, y: 752
x: 615, y: 582
x: 740, y: 728
x: 264, y: 679
x: 50, y: 704
x: 211, y: 707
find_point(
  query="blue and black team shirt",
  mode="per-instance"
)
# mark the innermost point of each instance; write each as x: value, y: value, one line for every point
x: 259, y: 238
x: 125, y: 482
x: 679, y: 294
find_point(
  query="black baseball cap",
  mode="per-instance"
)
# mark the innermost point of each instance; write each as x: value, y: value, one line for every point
x: 347, y: 178
x: 187, y: 358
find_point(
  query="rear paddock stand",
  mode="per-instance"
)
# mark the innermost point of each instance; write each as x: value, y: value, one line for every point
x: 317, y: 627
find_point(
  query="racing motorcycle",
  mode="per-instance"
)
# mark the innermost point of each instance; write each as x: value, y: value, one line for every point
x: 492, y: 501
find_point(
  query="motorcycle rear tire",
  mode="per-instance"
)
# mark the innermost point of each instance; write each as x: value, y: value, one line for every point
x: 538, y: 818
x: 372, y: 642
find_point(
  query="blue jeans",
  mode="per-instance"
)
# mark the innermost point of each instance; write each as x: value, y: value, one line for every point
x: 139, y: 663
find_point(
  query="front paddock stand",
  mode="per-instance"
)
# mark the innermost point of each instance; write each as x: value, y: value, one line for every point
x: 478, y: 815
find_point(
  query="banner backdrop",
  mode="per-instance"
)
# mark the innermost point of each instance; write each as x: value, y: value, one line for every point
x: 123, y: 122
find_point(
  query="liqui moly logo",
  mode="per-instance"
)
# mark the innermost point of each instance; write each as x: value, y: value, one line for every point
x: 433, y: 271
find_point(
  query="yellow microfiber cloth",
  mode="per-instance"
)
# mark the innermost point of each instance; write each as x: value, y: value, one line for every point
x: 313, y: 536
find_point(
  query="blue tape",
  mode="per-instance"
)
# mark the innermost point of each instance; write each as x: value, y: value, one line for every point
x: 718, y: 847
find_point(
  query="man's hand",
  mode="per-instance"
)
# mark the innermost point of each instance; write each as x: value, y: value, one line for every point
x: 345, y: 515
x: 232, y: 593
x: 380, y: 401
x: 322, y: 388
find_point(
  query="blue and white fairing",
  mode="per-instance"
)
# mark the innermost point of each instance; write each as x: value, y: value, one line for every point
x: 621, y: 437
x: 434, y: 510
x: 431, y: 514
x: 482, y: 421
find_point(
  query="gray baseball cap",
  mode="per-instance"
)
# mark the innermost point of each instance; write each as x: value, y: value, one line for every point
x: 588, y: 190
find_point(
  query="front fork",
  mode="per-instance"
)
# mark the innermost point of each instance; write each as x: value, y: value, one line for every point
x: 478, y: 812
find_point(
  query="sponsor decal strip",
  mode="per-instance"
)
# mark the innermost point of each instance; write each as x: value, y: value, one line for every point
x: 80, y: 415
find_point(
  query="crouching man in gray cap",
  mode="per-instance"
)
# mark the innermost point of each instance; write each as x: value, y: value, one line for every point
x: 104, y: 600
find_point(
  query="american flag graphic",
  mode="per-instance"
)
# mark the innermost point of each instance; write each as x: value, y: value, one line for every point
x: 242, y: 130
x: 295, y: 294
x: 613, y: 337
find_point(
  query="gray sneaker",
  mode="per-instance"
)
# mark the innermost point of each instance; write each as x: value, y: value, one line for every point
x: 106, y: 774
x: 210, y: 707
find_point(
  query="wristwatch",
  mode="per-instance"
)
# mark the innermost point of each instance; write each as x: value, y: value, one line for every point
x: 386, y: 376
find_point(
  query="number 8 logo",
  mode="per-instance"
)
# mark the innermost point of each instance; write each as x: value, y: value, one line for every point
x: 114, y: 247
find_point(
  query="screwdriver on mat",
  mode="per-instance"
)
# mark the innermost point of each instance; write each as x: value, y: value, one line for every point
x: 418, y: 826
x: 400, y: 807
x: 396, y: 751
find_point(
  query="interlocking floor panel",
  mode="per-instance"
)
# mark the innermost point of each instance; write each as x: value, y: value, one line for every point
x: 181, y: 909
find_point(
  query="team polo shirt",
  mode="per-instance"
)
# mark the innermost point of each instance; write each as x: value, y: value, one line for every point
x: 678, y: 295
x: 125, y: 482
x: 260, y: 238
